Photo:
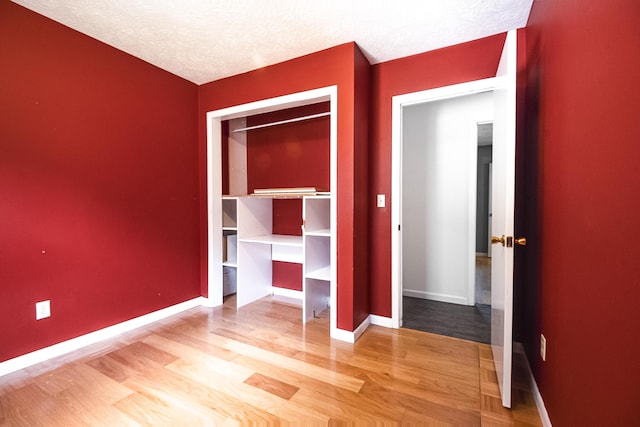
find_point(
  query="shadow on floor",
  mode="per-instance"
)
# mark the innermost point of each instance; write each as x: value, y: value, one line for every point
x: 460, y: 321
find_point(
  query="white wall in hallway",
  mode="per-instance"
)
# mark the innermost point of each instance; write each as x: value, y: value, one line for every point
x: 439, y: 162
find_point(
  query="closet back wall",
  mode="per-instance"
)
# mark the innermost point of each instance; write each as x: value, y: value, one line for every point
x: 287, y: 219
x: 98, y: 182
x: 289, y: 155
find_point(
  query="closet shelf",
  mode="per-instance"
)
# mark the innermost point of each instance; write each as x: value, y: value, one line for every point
x: 282, y: 122
x: 275, y: 239
x: 288, y: 195
x: 320, y: 274
x: 320, y: 233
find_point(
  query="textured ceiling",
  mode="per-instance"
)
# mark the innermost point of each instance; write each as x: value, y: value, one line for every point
x: 205, y: 40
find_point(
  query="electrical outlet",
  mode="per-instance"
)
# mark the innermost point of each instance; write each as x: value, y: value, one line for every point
x: 543, y: 347
x: 381, y: 201
x: 43, y: 309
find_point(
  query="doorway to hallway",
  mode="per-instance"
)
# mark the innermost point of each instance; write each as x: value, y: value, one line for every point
x: 446, y: 158
x: 503, y: 86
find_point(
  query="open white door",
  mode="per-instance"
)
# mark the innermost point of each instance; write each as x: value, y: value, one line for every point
x: 502, y: 206
x: 502, y: 203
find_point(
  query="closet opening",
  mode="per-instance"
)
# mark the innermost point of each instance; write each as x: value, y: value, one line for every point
x: 271, y: 173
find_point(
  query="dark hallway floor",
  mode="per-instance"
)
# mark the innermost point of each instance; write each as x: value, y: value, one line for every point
x: 454, y: 320
x: 460, y: 321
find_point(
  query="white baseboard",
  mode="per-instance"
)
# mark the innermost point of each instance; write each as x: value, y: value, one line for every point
x: 387, y: 322
x: 348, y: 336
x: 360, y: 329
x: 207, y: 302
x: 453, y: 299
x: 343, y: 335
x: 284, y: 292
x: 68, y: 346
x: 537, y: 397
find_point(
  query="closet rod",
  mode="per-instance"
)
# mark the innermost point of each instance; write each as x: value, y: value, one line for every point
x: 297, y: 119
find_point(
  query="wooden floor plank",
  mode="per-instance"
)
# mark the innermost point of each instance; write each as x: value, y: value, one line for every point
x: 335, y: 378
x: 260, y: 364
x: 272, y: 385
x: 170, y: 390
x: 198, y: 358
x: 149, y: 410
x: 166, y: 387
x: 228, y: 391
x: 32, y: 406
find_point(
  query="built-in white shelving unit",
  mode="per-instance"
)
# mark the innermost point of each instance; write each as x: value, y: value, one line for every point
x: 230, y: 233
x: 240, y: 237
x: 317, y: 267
x: 229, y: 246
x: 276, y: 240
x: 250, y: 220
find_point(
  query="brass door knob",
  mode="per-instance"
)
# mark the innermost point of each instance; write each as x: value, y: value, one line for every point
x: 495, y: 240
x: 522, y: 241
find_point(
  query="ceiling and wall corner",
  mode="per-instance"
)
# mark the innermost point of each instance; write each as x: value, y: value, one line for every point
x: 204, y: 40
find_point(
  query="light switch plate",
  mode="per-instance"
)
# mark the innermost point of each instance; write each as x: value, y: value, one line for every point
x: 380, y: 200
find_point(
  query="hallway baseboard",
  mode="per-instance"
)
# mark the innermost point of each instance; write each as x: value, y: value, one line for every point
x: 451, y: 299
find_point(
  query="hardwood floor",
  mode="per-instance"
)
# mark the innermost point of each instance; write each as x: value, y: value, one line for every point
x: 260, y: 365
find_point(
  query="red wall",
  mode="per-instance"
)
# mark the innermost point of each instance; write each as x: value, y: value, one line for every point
x: 287, y: 219
x: 287, y: 275
x: 362, y: 202
x: 289, y: 155
x: 583, y: 104
x: 329, y: 67
x: 98, y: 182
x: 457, y: 64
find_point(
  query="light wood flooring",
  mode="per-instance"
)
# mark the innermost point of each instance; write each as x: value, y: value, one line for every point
x: 260, y: 365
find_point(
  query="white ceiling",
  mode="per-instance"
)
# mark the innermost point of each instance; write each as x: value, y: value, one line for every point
x: 205, y: 40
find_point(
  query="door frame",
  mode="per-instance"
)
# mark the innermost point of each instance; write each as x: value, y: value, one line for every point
x: 398, y: 104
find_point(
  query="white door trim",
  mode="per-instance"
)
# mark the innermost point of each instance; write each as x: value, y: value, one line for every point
x: 398, y: 103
